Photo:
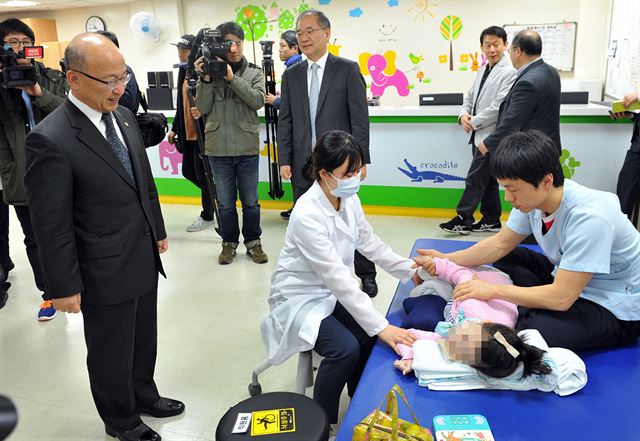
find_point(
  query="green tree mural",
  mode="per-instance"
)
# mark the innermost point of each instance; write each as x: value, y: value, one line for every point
x: 450, y: 29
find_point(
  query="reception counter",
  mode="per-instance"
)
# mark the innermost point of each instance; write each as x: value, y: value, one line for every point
x: 420, y: 156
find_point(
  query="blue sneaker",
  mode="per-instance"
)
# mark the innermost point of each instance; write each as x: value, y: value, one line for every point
x: 47, y: 311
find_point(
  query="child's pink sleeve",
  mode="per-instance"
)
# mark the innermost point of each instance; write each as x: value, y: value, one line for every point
x: 452, y: 273
x: 406, y: 351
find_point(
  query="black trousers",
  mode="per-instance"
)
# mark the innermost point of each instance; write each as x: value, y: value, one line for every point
x: 585, y: 325
x: 364, y: 268
x: 193, y: 170
x: 628, y: 188
x: 24, y: 216
x: 345, y: 348
x: 5, y: 259
x: 480, y: 188
x: 121, y: 358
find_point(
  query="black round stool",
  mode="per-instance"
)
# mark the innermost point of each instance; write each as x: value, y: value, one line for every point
x: 311, y: 422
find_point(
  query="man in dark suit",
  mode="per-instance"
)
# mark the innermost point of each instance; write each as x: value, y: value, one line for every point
x: 629, y: 177
x: 320, y: 94
x: 95, y: 211
x: 534, y: 99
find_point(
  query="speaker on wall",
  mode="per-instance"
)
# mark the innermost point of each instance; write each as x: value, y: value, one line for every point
x: 160, y: 98
x: 152, y: 79
x: 165, y: 79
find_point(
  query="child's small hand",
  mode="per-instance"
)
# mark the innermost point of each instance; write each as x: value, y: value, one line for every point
x: 430, y: 267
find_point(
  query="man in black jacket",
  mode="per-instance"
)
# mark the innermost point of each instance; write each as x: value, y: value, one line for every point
x: 97, y: 217
x: 184, y: 135
x: 534, y: 99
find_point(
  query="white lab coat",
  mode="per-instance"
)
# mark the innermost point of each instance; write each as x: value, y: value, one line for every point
x: 315, y: 268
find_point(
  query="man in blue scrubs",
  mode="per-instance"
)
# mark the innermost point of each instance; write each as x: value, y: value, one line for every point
x: 584, y: 291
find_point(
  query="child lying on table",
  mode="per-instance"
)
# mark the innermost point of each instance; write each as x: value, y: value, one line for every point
x: 477, y: 332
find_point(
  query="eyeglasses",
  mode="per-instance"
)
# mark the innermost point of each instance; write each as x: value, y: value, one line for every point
x: 308, y: 32
x: 17, y: 43
x: 110, y: 84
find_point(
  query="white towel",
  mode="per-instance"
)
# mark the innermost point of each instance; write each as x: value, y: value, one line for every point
x: 437, y: 372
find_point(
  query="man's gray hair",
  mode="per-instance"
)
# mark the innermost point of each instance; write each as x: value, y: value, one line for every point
x: 323, y: 21
x: 73, y: 58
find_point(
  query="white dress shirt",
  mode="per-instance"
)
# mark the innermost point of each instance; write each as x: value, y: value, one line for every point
x: 321, y: 64
x: 96, y: 118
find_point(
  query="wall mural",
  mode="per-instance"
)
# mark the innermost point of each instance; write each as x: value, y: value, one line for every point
x: 450, y: 29
x: 268, y: 19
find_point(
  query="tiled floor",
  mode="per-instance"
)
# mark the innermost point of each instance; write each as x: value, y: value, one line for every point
x: 209, y: 339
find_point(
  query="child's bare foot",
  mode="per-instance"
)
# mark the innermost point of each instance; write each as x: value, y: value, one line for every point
x: 403, y: 365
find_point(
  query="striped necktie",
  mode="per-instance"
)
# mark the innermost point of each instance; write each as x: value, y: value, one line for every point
x: 314, y: 91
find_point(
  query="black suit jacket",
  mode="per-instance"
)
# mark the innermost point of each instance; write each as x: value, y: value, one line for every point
x: 342, y: 105
x: 95, y: 227
x: 532, y: 103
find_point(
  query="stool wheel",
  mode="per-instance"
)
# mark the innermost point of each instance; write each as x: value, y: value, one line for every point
x: 255, y: 389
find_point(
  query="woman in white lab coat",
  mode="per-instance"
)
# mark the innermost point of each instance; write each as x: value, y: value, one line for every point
x: 315, y: 300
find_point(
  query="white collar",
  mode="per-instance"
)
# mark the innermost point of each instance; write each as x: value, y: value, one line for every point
x: 519, y: 72
x: 94, y: 116
x: 321, y: 62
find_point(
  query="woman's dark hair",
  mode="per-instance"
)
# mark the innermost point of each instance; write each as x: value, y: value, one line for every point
x: 232, y: 28
x: 15, y: 26
x: 331, y: 150
x: 291, y: 39
x: 494, y: 30
x: 497, y: 362
x: 530, y: 155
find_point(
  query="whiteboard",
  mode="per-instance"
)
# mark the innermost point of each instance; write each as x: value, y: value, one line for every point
x: 558, y: 41
x: 623, y: 54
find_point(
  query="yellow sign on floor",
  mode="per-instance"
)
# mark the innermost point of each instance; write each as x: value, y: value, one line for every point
x: 269, y: 422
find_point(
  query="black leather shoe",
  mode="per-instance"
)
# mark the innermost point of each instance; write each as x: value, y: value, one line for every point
x: 370, y: 286
x: 140, y: 433
x: 164, y: 407
x: 286, y: 214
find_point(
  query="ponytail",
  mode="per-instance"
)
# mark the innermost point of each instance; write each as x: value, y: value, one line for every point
x: 498, y: 362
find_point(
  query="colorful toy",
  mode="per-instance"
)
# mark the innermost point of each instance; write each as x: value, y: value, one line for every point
x: 380, y: 80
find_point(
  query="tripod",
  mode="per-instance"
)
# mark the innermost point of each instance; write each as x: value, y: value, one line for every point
x: 210, y: 184
x: 271, y: 123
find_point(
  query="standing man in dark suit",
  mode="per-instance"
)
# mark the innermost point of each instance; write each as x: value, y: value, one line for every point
x: 95, y: 211
x: 320, y: 94
x: 534, y: 99
x: 629, y: 177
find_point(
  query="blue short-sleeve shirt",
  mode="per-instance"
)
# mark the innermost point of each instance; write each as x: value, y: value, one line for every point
x: 590, y: 234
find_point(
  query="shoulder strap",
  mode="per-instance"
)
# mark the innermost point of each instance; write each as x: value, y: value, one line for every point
x: 143, y: 101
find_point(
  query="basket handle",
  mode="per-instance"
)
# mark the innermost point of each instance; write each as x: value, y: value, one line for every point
x: 396, y: 390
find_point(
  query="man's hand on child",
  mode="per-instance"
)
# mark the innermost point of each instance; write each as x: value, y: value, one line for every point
x: 474, y: 289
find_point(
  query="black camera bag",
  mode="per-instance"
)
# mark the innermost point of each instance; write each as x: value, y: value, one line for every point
x: 153, y: 126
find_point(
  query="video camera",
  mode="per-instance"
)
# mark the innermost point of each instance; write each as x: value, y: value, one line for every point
x: 15, y: 74
x: 267, y: 49
x: 209, y: 44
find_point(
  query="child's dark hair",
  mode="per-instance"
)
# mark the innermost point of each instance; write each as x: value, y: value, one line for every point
x: 529, y: 155
x: 331, y: 150
x: 497, y: 362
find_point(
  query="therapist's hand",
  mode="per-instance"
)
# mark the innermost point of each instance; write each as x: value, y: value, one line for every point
x: 416, y: 279
x: 474, y: 289
x: 392, y: 335
x: 426, y: 256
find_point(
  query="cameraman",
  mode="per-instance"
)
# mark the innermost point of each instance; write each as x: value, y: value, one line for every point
x: 21, y: 109
x: 290, y: 54
x: 232, y: 142
x: 184, y: 135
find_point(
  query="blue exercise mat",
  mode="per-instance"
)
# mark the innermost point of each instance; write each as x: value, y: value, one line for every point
x: 604, y: 410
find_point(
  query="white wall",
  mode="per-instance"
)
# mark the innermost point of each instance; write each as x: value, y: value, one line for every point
x: 411, y: 34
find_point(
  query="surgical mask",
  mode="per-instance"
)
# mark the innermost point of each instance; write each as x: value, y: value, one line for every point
x: 346, y: 187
